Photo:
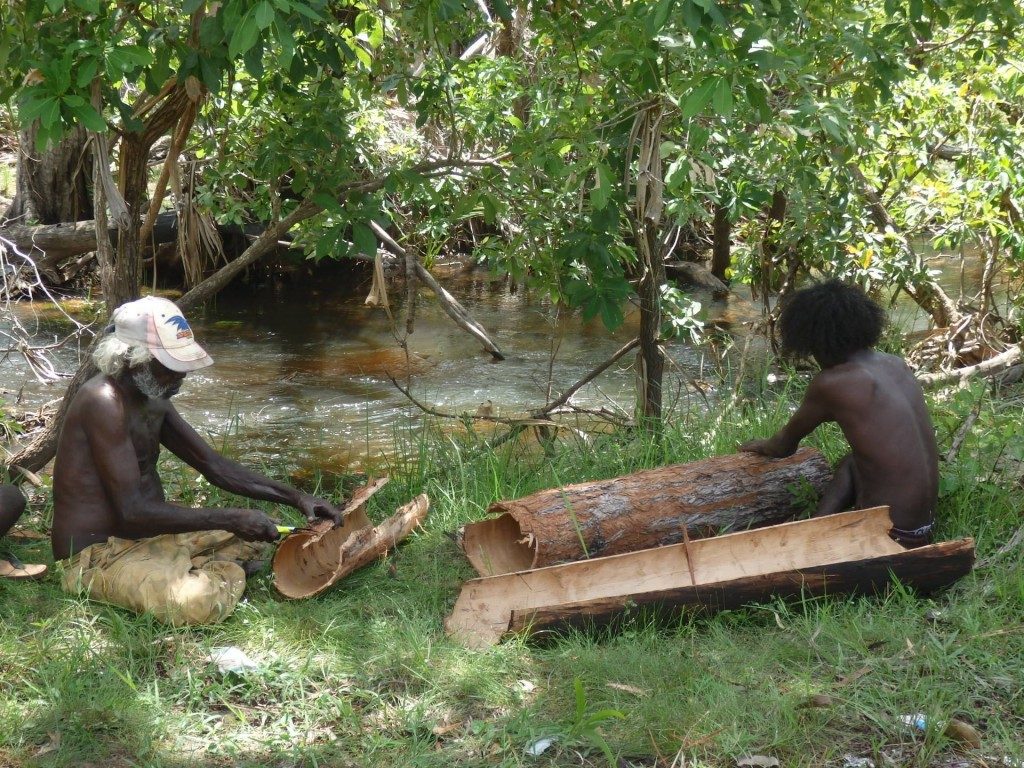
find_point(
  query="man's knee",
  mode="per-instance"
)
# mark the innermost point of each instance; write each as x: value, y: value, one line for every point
x: 12, y: 506
x: 204, y: 596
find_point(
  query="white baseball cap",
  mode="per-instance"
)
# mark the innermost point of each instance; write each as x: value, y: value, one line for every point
x: 162, y: 328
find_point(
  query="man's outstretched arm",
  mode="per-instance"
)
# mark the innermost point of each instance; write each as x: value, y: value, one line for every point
x: 183, y: 441
x: 140, y: 516
x: 813, y: 411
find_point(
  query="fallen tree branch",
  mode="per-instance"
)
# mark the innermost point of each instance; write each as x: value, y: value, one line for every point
x: 449, y: 303
x: 1015, y: 541
x: 962, y: 432
x: 565, y: 396
x: 528, y: 421
x: 985, y: 368
x: 536, y: 418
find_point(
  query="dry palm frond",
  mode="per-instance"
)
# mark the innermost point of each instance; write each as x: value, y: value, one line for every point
x: 378, y: 296
x: 199, y: 243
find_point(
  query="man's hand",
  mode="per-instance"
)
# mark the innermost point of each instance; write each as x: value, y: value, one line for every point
x: 253, y: 525
x: 769, y: 447
x: 313, y: 507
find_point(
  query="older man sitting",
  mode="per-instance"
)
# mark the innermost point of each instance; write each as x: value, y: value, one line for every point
x: 125, y: 543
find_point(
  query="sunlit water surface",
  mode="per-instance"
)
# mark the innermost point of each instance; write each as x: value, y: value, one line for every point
x: 300, y: 380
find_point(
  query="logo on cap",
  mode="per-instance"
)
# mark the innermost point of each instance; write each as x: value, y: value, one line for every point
x: 179, y: 322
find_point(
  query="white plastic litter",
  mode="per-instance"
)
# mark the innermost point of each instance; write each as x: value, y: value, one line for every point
x: 539, y: 747
x: 916, y: 721
x: 232, y: 659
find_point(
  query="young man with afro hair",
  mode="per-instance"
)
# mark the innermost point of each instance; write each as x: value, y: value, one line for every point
x: 877, y: 403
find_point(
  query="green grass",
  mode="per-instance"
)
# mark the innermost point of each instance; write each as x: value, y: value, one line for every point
x: 364, y: 676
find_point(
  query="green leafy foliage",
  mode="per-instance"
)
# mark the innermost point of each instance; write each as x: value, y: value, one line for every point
x: 307, y: 98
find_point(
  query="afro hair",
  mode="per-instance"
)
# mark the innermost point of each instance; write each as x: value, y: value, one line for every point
x: 831, y: 321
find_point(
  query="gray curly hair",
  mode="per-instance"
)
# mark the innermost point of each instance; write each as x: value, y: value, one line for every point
x: 112, y: 356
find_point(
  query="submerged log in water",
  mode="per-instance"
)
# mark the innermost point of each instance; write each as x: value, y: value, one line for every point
x: 641, y: 510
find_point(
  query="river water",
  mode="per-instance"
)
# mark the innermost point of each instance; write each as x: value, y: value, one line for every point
x: 299, y: 381
x: 300, y: 375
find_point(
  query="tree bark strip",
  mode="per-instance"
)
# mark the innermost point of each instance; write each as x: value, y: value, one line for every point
x: 309, y: 562
x: 640, y: 510
x: 849, y: 552
x: 927, y: 569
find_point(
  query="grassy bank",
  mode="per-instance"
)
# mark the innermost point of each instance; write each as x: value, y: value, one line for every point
x: 363, y: 676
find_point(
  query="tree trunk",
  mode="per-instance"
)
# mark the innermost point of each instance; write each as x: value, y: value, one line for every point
x: 123, y: 284
x: 648, y: 205
x: 721, y: 256
x: 770, y: 280
x: 133, y: 170
x: 848, y: 552
x: 52, y: 187
x: 509, y: 42
x: 640, y: 510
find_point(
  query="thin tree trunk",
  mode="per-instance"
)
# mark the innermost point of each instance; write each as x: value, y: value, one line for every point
x: 721, y: 256
x: 509, y: 42
x: 647, y: 214
x: 769, y: 243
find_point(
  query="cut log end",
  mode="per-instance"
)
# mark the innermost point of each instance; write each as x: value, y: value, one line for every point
x: 499, y: 545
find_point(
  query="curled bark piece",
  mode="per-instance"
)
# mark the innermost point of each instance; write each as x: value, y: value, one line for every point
x: 300, y: 566
x: 308, y: 562
x: 640, y: 510
x: 848, y: 552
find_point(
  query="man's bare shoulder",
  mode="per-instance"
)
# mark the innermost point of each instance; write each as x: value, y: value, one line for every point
x: 98, y: 398
x: 842, y: 380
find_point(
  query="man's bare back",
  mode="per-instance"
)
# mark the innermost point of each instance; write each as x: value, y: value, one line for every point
x: 876, y: 401
x: 879, y: 406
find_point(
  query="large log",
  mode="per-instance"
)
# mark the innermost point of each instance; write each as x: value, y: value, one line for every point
x: 311, y: 560
x: 49, y: 245
x: 689, y: 273
x: 641, y: 510
x: 846, y: 553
